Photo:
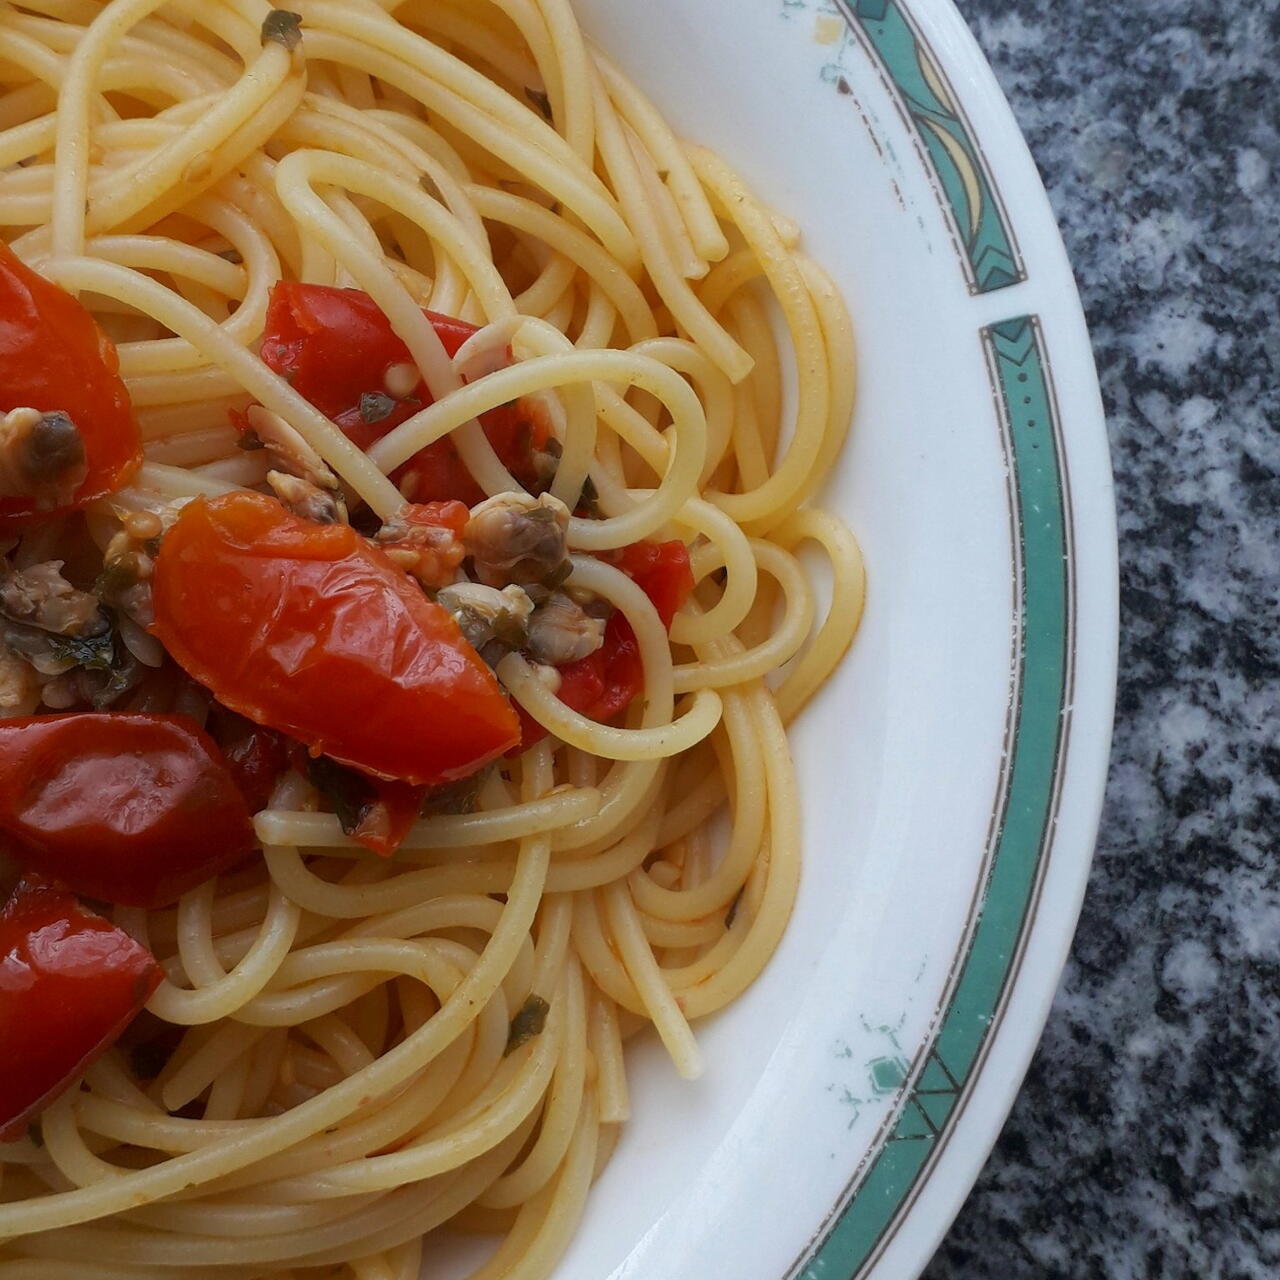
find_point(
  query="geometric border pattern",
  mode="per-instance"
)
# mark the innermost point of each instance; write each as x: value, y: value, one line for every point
x: 1024, y: 816
x: 957, y: 168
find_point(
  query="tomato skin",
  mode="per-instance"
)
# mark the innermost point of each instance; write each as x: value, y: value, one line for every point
x: 334, y: 346
x: 606, y: 682
x: 128, y: 808
x: 395, y: 810
x: 309, y: 629
x: 661, y: 570
x: 375, y: 812
x: 70, y: 982
x: 439, y: 514
x: 53, y: 356
x: 603, y: 684
x: 426, y: 539
x: 255, y: 757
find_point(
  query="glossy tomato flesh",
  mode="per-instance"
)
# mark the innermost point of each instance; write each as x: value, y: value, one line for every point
x: 311, y: 630
x: 53, y: 356
x: 70, y: 982
x: 255, y: 756
x: 335, y: 347
x: 605, y: 683
x: 128, y: 808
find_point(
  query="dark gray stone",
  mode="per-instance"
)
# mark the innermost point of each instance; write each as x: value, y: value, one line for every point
x: 1146, y: 1141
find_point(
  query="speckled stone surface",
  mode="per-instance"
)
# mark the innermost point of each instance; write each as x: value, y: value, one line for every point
x: 1146, y: 1141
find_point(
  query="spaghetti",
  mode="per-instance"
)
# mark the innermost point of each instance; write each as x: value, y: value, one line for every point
x: 357, y: 1051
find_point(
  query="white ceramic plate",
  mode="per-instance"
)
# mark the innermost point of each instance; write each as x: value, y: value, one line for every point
x: 953, y: 771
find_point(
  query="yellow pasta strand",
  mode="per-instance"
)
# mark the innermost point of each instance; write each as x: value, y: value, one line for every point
x: 358, y: 1051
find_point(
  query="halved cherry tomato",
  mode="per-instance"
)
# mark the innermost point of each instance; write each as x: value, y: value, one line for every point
x: 603, y: 684
x: 70, y: 982
x: 335, y: 348
x: 311, y: 630
x: 53, y: 356
x: 128, y: 808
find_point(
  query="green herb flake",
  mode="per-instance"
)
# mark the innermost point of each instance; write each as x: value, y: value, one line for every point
x: 732, y: 914
x: 589, y: 499
x: 559, y: 575
x: 509, y: 630
x: 528, y: 1023
x: 283, y: 27
x: 349, y: 793
x: 117, y: 577
x: 122, y: 679
x: 452, y: 797
x: 539, y: 100
x: 94, y: 653
x: 374, y: 406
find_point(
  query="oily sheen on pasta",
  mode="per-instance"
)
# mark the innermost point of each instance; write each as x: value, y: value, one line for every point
x: 366, y: 1050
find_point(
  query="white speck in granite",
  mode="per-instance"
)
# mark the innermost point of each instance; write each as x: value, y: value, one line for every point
x: 1190, y: 972
x: 1259, y: 928
x: 1252, y: 170
x: 1183, y: 727
x: 1143, y: 1045
x: 1195, y: 413
x: 1156, y: 243
x: 1012, y: 32
x: 1105, y: 152
x: 1175, y: 337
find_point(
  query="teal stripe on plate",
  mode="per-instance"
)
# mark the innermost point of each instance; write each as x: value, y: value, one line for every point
x: 1017, y: 363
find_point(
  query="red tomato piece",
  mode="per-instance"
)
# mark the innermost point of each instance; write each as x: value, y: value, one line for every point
x: 449, y: 515
x: 426, y: 539
x: 53, y: 356
x: 615, y: 668
x: 387, y: 820
x: 127, y: 808
x: 377, y: 812
x: 70, y: 982
x: 604, y: 684
x: 335, y: 347
x: 255, y: 756
x: 661, y: 570
x: 311, y: 630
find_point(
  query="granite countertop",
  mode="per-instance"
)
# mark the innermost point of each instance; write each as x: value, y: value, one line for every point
x: 1146, y: 1141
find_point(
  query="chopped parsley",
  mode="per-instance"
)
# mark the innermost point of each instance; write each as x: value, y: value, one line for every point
x: 350, y: 794
x: 529, y: 1022
x: 94, y: 653
x: 374, y: 406
x: 539, y: 100
x: 732, y: 914
x: 284, y: 27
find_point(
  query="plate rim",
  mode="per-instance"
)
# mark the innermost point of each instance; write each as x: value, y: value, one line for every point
x: 921, y: 49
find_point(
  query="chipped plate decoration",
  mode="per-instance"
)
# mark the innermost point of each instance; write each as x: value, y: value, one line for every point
x: 952, y: 771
